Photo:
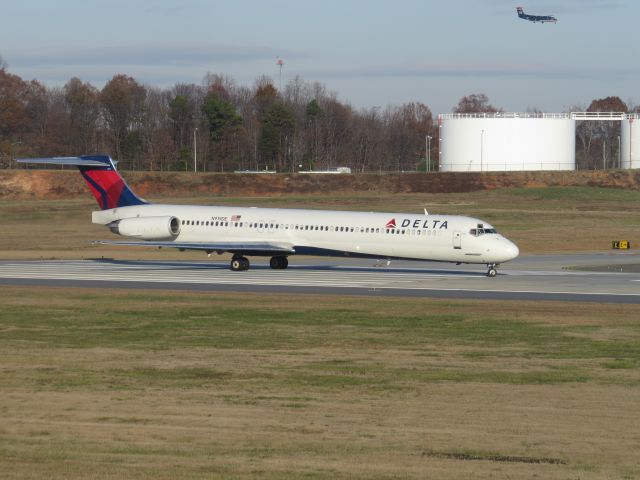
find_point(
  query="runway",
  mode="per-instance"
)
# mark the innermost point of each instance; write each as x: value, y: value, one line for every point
x: 527, y: 278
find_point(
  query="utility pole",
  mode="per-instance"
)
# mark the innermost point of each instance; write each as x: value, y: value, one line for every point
x: 195, y: 151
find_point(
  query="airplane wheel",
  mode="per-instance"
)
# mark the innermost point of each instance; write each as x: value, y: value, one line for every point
x: 492, y: 272
x: 278, y: 263
x: 239, y: 264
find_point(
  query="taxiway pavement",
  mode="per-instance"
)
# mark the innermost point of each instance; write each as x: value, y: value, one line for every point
x: 594, y: 277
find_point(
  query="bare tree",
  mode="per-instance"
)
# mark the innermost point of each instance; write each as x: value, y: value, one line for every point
x: 213, y: 80
x: 82, y: 102
x: 154, y: 129
x: 475, y: 103
x: 122, y: 99
x: 585, y: 133
x: 607, y: 133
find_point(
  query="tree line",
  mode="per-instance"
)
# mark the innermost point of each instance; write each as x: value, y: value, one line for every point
x: 229, y: 127
x: 225, y: 126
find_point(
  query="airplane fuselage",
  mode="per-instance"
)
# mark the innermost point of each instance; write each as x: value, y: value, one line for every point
x: 278, y: 232
x: 447, y: 238
x: 536, y: 18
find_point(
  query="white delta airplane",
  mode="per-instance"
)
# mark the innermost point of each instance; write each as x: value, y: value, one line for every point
x: 279, y: 233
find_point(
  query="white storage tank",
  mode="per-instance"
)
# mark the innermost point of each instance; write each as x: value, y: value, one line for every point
x: 507, y: 142
x: 630, y: 141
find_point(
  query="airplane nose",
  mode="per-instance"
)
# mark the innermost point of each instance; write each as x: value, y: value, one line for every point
x: 506, y: 250
x: 511, y: 250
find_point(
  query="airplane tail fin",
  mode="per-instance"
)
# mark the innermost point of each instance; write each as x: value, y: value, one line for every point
x: 100, y: 174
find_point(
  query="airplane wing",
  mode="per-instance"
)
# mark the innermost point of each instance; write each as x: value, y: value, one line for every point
x: 247, y: 248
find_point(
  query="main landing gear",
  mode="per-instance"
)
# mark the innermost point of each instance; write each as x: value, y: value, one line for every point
x: 240, y: 263
x: 279, y: 263
x: 492, y: 272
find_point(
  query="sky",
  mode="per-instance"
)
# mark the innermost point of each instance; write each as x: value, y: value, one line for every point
x: 372, y: 53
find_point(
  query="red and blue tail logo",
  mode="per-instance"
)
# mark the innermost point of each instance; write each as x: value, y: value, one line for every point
x: 106, y: 184
x: 99, y: 171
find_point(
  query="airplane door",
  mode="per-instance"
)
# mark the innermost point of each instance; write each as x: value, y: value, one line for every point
x: 457, y: 239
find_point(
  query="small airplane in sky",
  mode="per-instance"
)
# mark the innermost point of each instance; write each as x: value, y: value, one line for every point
x: 278, y: 232
x: 536, y: 18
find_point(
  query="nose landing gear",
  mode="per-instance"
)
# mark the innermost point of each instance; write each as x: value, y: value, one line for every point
x: 492, y: 272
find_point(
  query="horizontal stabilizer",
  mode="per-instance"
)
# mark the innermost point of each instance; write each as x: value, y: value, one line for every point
x: 74, y: 161
x: 100, y: 174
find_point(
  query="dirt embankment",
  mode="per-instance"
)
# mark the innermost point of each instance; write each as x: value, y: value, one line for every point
x: 53, y: 184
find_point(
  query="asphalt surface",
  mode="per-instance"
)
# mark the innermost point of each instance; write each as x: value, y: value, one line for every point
x: 596, y: 277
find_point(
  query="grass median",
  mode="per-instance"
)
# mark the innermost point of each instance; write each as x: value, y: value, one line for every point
x: 99, y: 383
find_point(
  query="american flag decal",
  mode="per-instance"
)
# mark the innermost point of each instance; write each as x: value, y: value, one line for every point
x: 236, y: 218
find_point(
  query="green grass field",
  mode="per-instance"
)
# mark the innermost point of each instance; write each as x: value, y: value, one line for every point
x: 121, y: 384
x: 110, y: 384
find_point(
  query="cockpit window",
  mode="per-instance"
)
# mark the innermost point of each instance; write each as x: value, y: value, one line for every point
x: 476, y: 232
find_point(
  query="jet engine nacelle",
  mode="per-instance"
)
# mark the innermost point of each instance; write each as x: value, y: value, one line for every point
x: 147, y: 228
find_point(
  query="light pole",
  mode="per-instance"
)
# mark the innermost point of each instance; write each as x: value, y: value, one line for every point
x: 280, y: 63
x: 374, y: 111
x: 195, y: 150
x: 12, y: 151
x: 428, y: 154
x: 619, y: 154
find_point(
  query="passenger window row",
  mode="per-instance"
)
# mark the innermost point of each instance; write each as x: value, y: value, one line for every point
x: 321, y: 228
